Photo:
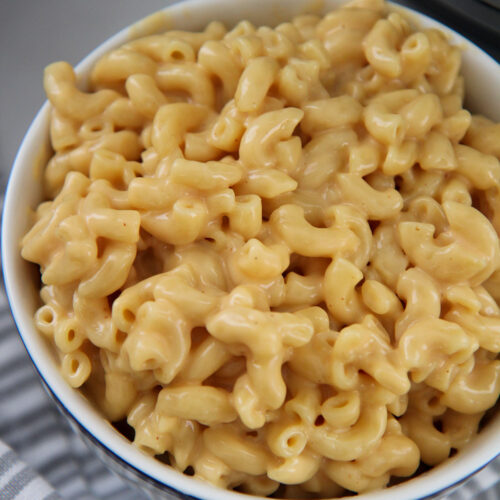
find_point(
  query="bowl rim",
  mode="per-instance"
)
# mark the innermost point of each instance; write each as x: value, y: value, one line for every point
x: 74, y: 403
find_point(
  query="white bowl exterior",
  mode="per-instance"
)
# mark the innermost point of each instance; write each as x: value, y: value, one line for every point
x: 482, y: 74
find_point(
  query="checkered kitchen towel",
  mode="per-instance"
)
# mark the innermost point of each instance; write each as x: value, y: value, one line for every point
x: 41, y: 458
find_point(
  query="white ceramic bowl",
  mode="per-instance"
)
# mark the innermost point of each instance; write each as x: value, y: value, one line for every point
x: 482, y: 75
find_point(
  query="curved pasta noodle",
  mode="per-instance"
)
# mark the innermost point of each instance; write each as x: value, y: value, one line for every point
x: 418, y: 242
x: 60, y: 86
x: 352, y: 443
x: 447, y: 345
x: 272, y: 132
x: 366, y: 347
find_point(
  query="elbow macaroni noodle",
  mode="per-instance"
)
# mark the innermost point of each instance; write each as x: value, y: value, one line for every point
x: 275, y: 252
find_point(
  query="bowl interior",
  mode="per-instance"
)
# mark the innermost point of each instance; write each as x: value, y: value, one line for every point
x: 482, y: 76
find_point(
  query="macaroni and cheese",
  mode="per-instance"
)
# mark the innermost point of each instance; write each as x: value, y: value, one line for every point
x: 275, y: 251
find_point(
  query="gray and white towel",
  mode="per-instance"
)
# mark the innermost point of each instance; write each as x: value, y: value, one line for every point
x: 41, y: 458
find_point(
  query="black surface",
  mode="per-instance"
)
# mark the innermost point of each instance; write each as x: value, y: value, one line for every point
x: 494, y: 3
x: 477, y: 20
